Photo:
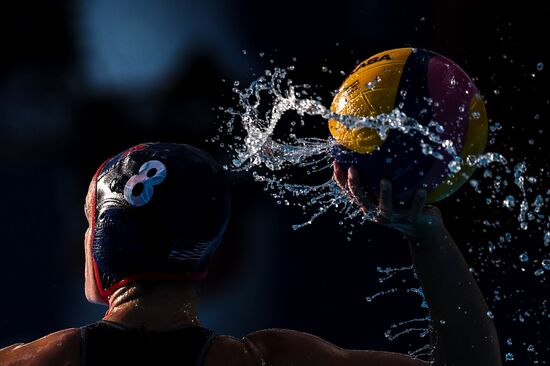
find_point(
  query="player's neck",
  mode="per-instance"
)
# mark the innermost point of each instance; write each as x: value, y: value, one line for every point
x: 162, y: 308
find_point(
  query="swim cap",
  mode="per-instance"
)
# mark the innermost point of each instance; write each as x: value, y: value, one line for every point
x: 158, y: 211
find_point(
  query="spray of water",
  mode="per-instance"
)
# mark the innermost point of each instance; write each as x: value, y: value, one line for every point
x: 258, y: 149
x: 274, y: 161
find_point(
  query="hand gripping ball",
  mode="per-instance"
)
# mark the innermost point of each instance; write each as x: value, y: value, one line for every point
x: 427, y: 87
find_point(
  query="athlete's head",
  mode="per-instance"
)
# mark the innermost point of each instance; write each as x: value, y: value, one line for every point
x: 156, y: 211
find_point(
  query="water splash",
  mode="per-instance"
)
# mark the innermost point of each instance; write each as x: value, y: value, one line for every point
x: 277, y: 159
x: 419, y: 327
x: 261, y: 108
x: 424, y: 351
x: 389, y: 272
x: 393, y: 334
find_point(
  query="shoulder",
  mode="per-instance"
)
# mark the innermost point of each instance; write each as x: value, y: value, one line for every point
x: 269, y: 346
x: 61, y: 348
x: 228, y: 350
x: 300, y: 348
x: 289, y: 347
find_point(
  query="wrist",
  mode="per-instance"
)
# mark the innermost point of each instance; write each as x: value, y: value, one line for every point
x: 429, y: 224
x: 428, y: 231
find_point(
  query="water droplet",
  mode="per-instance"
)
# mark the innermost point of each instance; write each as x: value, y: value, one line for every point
x: 324, y: 69
x: 447, y: 144
x: 539, y: 272
x: 509, y: 357
x: 546, y: 264
x: 244, y: 52
x: 531, y: 348
x: 476, y: 115
x: 509, y: 202
x: 454, y: 166
x: 540, y: 66
x: 426, y: 149
x: 490, y: 314
x: 509, y: 341
x: 524, y: 257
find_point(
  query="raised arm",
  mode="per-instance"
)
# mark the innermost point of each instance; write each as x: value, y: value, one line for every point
x: 465, y: 334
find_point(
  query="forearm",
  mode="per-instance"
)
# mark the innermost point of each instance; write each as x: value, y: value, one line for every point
x: 464, y: 333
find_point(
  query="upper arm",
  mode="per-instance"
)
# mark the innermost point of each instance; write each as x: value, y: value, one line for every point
x: 285, y: 347
x: 61, y: 348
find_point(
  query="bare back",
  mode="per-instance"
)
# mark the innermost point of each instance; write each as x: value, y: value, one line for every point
x: 276, y: 347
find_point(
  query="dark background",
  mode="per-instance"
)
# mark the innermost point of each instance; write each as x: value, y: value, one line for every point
x: 81, y: 81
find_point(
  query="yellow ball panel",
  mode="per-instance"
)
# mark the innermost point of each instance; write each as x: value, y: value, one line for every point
x: 370, y: 90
